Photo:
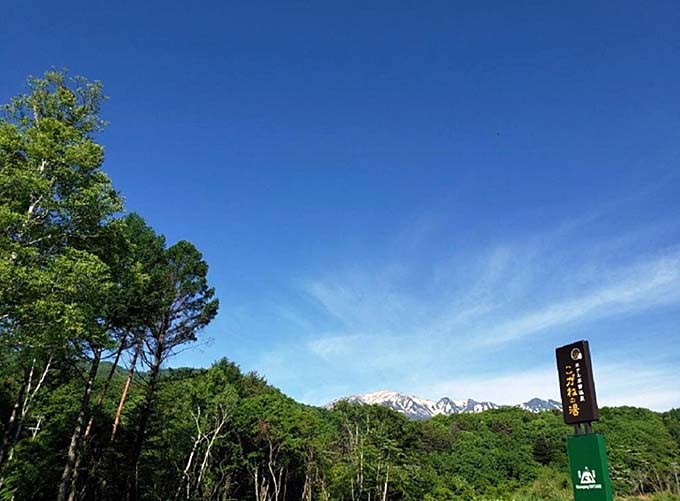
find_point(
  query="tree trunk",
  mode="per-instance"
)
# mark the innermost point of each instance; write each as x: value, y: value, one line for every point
x: 270, y: 465
x: 90, y: 422
x: 144, y: 418
x: 12, y: 425
x: 387, y: 480
x: 185, y: 474
x: 76, y: 438
x: 105, y: 388
x: 19, y: 412
x: 208, y: 449
x: 126, y: 389
x: 10, y: 434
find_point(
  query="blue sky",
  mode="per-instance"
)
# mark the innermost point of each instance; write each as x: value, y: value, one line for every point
x: 427, y: 197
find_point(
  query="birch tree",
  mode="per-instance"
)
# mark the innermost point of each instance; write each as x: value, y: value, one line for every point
x: 54, y: 201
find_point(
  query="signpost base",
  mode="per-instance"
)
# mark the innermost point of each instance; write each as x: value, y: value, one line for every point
x: 589, y: 468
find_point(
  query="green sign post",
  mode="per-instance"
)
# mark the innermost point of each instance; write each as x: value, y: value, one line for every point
x: 587, y: 454
x: 589, y: 468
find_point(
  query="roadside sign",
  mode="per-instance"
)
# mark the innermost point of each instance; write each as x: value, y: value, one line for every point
x: 579, y: 403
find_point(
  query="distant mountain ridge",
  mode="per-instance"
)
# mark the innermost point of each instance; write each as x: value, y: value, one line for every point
x: 422, y: 408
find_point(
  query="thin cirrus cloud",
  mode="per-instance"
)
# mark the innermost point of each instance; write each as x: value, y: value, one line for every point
x: 391, y: 313
x: 393, y: 326
x: 638, y: 287
x: 654, y: 387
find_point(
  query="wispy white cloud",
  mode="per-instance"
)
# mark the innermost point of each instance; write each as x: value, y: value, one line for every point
x: 492, y: 310
x: 333, y: 346
x: 640, y: 286
x: 654, y: 387
x: 505, y: 389
x: 638, y: 382
x: 407, y: 325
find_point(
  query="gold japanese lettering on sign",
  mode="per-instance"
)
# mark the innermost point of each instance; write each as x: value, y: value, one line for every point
x: 574, y: 387
x: 579, y: 383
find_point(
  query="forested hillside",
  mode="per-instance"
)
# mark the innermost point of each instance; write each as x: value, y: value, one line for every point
x: 221, y: 434
x: 93, y: 303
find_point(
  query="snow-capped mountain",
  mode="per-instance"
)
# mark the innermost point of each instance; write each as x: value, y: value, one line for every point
x: 422, y: 408
x: 538, y: 405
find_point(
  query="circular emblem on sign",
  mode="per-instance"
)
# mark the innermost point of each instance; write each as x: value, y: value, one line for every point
x: 576, y: 354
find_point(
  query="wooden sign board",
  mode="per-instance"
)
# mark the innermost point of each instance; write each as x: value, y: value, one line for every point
x: 579, y: 404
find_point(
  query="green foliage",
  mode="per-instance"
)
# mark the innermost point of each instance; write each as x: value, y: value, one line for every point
x: 54, y: 201
x: 672, y: 421
x: 333, y: 454
x: 641, y: 449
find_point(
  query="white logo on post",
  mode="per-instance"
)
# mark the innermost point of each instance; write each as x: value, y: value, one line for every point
x: 587, y: 479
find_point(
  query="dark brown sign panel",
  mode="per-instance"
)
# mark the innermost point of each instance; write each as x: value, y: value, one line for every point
x: 579, y: 404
